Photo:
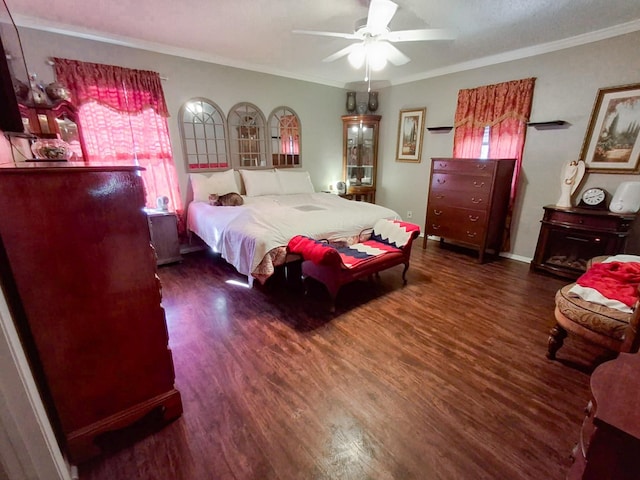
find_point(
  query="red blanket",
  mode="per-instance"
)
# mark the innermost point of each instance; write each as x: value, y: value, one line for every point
x: 614, y: 280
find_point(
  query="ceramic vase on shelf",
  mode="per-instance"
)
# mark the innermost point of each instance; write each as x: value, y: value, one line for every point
x: 351, y: 102
x: 373, y: 101
x: 51, y: 149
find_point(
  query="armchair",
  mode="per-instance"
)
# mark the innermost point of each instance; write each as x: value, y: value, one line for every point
x: 608, y: 327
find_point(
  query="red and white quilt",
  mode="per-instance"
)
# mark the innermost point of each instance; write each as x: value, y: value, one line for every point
x: 387, y: 236
x: 612, y: 283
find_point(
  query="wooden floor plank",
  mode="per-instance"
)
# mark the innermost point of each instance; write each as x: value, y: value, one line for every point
x: 444, y: 378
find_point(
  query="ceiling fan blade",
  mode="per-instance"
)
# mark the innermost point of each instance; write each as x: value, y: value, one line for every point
x: 341, y: 53
x: 394, y: 55
x: 349, y: 36
x: 420, y: 35
x: 380, y: 14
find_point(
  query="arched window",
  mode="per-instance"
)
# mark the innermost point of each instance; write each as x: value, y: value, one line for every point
x: 204, y: 135
x: 284, y: 129
x: 247, y: 136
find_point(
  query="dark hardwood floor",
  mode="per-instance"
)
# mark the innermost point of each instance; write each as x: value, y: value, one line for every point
x: 445, y: 378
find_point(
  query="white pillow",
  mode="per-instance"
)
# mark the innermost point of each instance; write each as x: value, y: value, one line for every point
x: 295, y: 182
x: 218, y: 182
x: 260, y: 182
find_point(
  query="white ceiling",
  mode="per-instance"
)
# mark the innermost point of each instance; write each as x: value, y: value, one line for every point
x: 257, y: 34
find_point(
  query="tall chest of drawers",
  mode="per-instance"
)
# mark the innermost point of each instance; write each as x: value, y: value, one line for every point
x: 79, y: 254
x: 468, y: 201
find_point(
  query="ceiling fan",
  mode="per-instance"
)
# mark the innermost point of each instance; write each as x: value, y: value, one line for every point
x: 374, y: 47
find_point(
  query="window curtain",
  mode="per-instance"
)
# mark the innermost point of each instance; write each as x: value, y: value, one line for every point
x: 289, y: 136
x: 124, y: 121
x: 505, y: 107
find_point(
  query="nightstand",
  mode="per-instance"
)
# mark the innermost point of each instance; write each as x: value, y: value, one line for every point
x: 365, y: 194
x: 163, y: 227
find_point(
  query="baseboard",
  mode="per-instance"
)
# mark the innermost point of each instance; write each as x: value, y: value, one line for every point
x: 509, y: 255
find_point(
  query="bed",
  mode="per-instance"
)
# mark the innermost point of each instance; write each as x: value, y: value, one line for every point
x: 277, y: 206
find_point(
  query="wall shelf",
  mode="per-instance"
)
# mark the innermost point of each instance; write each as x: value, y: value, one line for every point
x: 439, y: 129
x: 548, y: 125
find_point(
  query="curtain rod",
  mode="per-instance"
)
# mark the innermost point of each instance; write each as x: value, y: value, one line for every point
x: 51, y: 63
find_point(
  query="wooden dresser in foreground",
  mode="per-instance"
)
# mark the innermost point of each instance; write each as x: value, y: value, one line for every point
x: 79, y: 250
x: 468, y: 202
x: 609, y: 443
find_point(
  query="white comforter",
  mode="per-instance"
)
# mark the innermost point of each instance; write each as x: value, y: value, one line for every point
x: 243, y: 235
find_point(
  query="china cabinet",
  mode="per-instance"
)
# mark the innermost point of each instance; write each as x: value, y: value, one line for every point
x: 360, y: 155
x: 58, y: 120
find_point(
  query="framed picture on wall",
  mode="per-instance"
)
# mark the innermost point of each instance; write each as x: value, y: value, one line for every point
x: 410, y: 134
x: 612, y: 141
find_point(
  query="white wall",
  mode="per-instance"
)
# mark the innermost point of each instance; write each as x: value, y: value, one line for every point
x: 319, y: 107
x: 566, y: 87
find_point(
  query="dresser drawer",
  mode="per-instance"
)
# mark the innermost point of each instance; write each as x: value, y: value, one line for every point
x: 462, y: 183
x: 462, y: 216
x: 475, y: 200
x: 479, y: 167
x: 587, y: 222
x: 459, y: 224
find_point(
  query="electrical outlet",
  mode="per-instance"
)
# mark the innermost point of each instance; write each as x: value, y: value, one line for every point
x: 409, y: 214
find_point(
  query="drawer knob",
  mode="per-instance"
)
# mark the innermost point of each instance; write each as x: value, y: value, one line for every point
x: 439, y: 196
x: 440, y: 180
x: 481, y: 166
x: 442, y: 165
x: 581, y: 221
x: 471, y: 234
x: 478, y: 184
x: 474, y: 218
x: 435, y: 227
x: 473, y: 200
x: 437, y: 212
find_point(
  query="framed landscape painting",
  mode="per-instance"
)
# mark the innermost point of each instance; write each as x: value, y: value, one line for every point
x: 410, y: 135
x: 612, y: 141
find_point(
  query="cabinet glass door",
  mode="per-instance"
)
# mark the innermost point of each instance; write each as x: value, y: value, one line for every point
x: 360, y: 154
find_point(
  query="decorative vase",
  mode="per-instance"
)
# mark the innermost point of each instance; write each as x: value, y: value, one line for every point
x: 373, y: 101
x: 56, y: 91
x: 351, y: 102
x: 51, y: 149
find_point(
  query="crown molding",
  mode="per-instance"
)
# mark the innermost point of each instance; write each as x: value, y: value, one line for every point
x: 583, y: 39
x: 78, y: 32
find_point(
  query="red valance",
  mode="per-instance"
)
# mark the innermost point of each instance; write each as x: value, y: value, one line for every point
x: 123, y: 89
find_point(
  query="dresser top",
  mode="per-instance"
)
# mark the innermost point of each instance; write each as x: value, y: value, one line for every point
x: 615, y: 386
x: 69, y: 167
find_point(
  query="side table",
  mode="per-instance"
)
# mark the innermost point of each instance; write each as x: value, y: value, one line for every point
x: 569, y: 237
x: 163, y: 227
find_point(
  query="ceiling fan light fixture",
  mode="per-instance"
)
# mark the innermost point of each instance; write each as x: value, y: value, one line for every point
x: 357, y: 56
x: 376, y: 57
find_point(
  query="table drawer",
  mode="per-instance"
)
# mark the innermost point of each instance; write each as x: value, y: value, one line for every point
x: 587, y: 222
x: 479, y: 167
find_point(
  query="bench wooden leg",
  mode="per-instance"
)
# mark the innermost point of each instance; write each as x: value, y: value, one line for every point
x: 404, y: 273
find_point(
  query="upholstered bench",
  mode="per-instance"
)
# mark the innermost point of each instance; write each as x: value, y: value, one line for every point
x: 594, y: 317
x: 334, y: 266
